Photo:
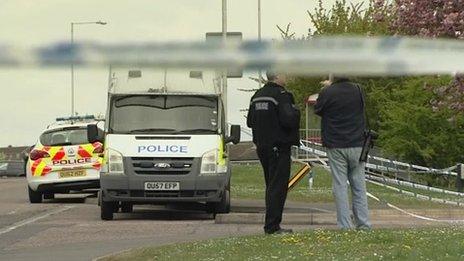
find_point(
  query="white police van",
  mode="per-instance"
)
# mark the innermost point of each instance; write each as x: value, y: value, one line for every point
x: 165, y: 141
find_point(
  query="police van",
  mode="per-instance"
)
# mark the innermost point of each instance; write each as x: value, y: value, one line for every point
x: 63, y: 159
x: 165, y: 141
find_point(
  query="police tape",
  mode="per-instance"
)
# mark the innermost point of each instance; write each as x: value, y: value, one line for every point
x: 316, y: 56
x: 413, y: 214
x: 417, y: 195
x: 318, y: 149
x: 410, y: 213
x: 413, y: 185
x: 410, y: 194
x: 410, y: 167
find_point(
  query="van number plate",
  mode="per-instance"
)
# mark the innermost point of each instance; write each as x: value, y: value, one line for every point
x: 171, y: 186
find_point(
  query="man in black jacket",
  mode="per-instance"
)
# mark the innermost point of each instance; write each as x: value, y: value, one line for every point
x: 341, y: 106
x: 275, y: 120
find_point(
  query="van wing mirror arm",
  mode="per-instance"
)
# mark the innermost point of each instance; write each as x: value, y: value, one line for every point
x: 234, y: 134
x: 94, y: 134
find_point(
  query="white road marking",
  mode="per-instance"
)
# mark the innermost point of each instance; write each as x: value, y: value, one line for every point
x: 33, y: 219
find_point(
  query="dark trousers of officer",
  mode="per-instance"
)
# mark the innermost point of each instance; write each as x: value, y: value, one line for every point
x: 276, y: 166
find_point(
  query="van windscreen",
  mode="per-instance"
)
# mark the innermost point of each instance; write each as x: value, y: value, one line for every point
x: 164, y: 114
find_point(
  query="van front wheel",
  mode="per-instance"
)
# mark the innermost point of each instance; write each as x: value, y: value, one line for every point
x: 127, y: 207
x: 224, y: 206
x: 49, y: 195
x: 107, y: 209
x: 221, y: 207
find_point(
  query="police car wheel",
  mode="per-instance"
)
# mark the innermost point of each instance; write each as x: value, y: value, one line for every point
x: 34, y: 196
x: 99, y: 198
x: 126, y: 207
x: 107, y: 208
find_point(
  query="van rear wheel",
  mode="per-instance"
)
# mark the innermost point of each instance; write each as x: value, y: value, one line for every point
x: 34, y: 196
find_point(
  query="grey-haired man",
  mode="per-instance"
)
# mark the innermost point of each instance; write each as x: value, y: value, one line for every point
x: 341, y: 106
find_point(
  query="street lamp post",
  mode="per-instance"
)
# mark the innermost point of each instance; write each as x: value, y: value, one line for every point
x: 224, y: 75
x: 72, y: 63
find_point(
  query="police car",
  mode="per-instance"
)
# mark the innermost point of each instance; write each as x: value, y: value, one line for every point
x: 63, y: 160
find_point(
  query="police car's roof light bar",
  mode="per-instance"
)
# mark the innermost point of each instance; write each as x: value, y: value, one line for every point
x: 76, y: 118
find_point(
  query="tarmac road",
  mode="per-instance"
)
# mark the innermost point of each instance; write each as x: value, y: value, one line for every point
x: 69, y: 227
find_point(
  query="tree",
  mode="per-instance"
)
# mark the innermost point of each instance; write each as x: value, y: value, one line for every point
x: 412, y: 130
x: 342, y: 18
x: 437, y: 18
x: 434, y: 18
x: 416, y: 116
x: 351, y: 19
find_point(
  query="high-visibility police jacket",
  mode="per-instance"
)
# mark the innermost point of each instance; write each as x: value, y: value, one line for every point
x: 273, y: 117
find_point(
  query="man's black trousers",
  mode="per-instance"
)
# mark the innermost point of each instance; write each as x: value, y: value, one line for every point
x: 276, y: 166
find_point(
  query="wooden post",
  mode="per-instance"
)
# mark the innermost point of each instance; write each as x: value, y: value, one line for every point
x: 459, y: 183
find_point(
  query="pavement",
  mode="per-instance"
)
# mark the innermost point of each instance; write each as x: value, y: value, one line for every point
x: 324, y: 215
x: 69, y: 226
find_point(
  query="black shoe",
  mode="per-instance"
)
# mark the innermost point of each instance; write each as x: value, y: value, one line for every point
x: 280, y: 231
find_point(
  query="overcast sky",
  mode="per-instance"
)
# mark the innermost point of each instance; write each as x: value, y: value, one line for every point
x: 32, y: 98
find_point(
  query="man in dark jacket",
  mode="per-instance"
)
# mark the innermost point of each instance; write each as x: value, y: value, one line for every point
x: 341, y: 106
x: 275, y: 120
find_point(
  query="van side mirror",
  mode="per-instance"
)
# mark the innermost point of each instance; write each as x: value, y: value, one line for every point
x: 234, y: 134
x: 94, y: 134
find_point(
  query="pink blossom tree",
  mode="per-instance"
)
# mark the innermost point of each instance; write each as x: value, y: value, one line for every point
x: 432, y: 18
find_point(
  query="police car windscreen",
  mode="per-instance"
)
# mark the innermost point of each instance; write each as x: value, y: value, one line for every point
x: 63, y: 137
x: 164, y: 114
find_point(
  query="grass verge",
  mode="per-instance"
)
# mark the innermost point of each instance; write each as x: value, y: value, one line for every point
x: 445, y: 243
x: 248, y: 183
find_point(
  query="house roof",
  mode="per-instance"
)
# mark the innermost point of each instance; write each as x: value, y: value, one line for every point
x: 15, y: 152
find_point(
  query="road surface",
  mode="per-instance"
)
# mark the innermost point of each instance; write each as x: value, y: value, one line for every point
x: 69, y: 227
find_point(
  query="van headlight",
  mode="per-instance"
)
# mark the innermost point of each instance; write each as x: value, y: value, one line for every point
x: 114, y: 162
x: 210, y: 163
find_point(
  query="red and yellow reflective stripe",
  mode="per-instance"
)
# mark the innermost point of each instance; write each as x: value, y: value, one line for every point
x: 86, y: 151
x: 57, y: 153
x: 34, y: 166
x: 46, y: 170
x: 42, y: 167
x: 39, y: 168
x: 97, y: 165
